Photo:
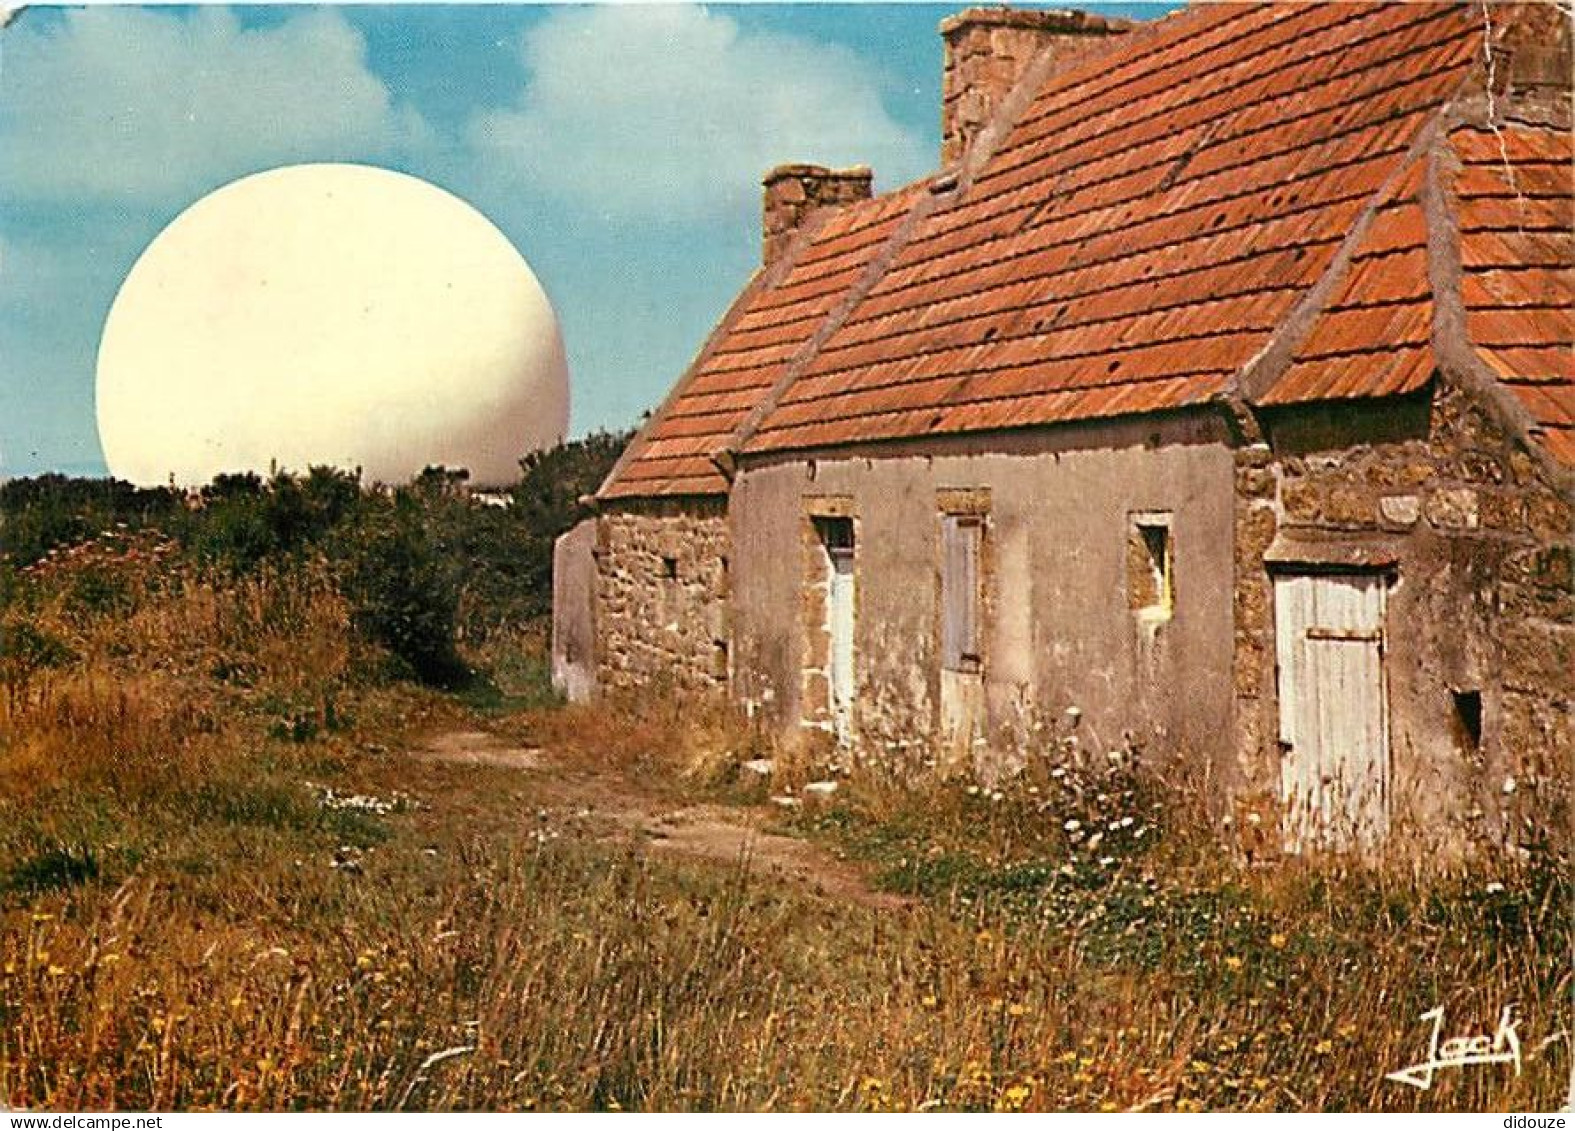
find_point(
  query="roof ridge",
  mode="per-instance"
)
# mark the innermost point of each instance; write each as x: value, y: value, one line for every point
x: 1451, y: 343
x: 1259, y: 374
x: 874, y: 270
x: 763, y: 278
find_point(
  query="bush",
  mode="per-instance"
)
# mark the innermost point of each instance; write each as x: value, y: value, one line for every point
x: 403, y: 594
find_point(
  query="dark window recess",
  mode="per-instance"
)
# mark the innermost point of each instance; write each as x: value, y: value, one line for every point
x: 1149, y: 585
x: 1468, y: 716
x: 962, y: 539
x: 719, y: 658
x: 669, y: 568
x: 836, y: 534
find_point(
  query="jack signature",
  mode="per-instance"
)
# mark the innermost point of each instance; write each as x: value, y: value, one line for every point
x: 1503, y: 1047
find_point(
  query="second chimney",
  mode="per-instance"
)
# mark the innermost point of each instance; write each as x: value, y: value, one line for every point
x: 793, y: 192
x: 987, y: 51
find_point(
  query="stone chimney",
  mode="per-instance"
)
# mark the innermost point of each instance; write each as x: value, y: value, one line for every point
x: 987, y: 51
x: 793, y: 192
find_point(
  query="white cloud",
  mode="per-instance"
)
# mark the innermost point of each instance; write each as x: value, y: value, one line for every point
x: 137, y: 105
x: 641, y: 111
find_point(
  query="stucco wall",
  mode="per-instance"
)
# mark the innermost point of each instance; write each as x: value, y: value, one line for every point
x: 1059, y: 631
x: 661, y: 605
x: 574, y: 613
x: 1481, y: 602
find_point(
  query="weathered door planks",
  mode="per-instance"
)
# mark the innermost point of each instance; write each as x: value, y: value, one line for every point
x: 1334, y: 734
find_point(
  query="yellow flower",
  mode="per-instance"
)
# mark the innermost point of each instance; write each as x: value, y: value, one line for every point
x: 1278, y: 941
x: 56, y: 971
x: 871, y: 1084
x: 928, y: 1001
x: 1233, y: 962
x: 1017, y: 1009
x: 1018, y: 1094
x: 1324, y: 1048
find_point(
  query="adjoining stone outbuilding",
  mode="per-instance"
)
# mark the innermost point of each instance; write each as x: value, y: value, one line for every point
x: 1220, y: 386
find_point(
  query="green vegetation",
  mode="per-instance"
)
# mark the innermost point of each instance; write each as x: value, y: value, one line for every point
x: 237, y: 870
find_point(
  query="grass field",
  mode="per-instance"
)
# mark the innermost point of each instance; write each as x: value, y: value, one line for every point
x: 242, y: 868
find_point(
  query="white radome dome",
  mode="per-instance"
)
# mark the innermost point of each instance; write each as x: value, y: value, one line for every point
x: 329, y: 314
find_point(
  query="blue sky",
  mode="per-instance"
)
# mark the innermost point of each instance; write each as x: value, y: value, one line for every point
x: 619, y: 147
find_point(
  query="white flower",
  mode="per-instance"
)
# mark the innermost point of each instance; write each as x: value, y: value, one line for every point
x: 1494, y: 888
x: 1074, y: 713
x: 1509, y: 786
x: 1106, y: 861
x: 973, y: 791
x: 1126, y: 822
x: 1093, y: 841
x: 1254, y: 819
x: 1072, y: 825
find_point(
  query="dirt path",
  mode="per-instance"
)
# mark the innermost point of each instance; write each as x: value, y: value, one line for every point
x: 605, y: 805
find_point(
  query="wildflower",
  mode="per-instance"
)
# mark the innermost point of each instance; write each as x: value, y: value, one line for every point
x: 1494, y: 888
x: 928, y: 1001
x: 1018, y: 1094
x: 1277, y: 941
x: 56, y: 971
x: 1509, y: 786
x: 1072, y: 825
x: 1232, y: 962
x: 1017, y: 1009
x: 1324, y: 1048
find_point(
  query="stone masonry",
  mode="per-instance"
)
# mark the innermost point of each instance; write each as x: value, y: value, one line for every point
x: 987, y: 51
x: 1482, y: 611
x: 793, y: 193
x: 662, y: 597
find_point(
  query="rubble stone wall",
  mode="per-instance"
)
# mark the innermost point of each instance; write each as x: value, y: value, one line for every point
x: 1481, y: 607
x: 662, y: 591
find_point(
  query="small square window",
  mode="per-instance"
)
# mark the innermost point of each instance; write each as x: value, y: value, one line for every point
x: 669, y: 567
x: 1150, y: 585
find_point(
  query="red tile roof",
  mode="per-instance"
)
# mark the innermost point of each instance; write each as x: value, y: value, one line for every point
x: 748, y: 352
x: 1148, y: 226
x: 1516, y: 215
x: 1145, y: 228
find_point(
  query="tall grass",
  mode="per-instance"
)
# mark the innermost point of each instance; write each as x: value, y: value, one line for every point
x: 221, y: 887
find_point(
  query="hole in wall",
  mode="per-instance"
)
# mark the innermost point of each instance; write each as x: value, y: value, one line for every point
x: 1468, y: 718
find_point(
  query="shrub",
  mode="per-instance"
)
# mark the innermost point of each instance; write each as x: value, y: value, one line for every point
x: 403, y: 594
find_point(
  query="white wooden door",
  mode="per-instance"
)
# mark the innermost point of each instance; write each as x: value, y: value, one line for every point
x: 839, y: 619
x: 1334, y: 719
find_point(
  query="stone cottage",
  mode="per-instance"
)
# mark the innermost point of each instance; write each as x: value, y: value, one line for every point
x: 1219, y: 385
